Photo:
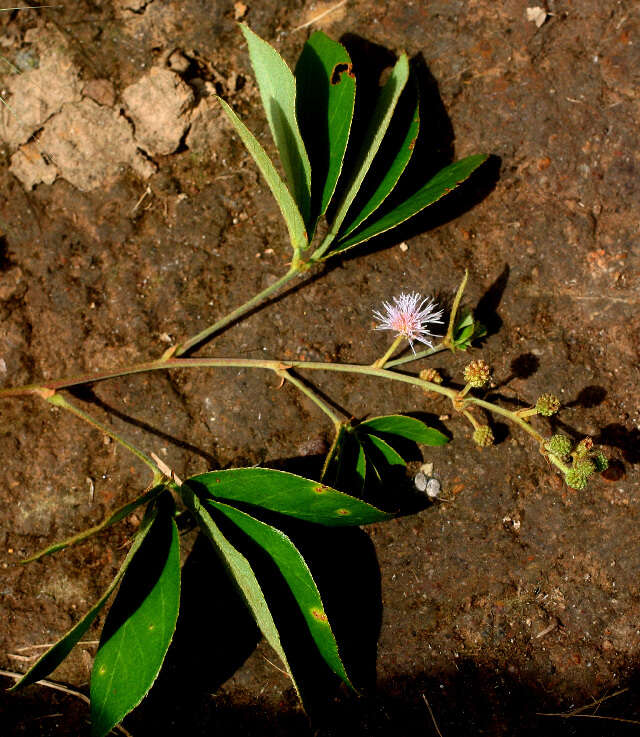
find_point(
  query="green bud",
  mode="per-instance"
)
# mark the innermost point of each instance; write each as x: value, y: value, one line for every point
x: 559, y: 445
x: 547, y: 405
x: 483, y: 436
x: 600, y: 461
x: 582, y: 449
x: 575, y: 479
x: 477, y: 373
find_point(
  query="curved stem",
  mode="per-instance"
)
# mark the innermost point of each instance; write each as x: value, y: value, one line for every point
x: 200, y: 337
x: 60, y: 401
x: 312, y: 396
x: 381, y: 362
x: 280, y: 367
x: 448, y: 338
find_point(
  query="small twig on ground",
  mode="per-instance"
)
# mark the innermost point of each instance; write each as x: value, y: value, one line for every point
x: 319, y: 16
x: 433, y: 719
x: 64, y: 689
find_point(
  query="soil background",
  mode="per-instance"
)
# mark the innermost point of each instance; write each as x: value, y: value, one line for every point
x: 514, y: 596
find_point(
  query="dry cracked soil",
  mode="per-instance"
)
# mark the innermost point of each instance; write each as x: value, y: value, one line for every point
x: 131, y: 217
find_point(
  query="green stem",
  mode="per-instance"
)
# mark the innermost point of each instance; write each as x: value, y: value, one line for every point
x: 59, y: 401
x: 416, y: 356
x: 471, y: 418
x: 527, y: 412
x: 381, y: 362
x: 509, y: 414
x: 448, y: 339
x: 312, y: 396
x: 272, y: 365
x: 188, y: 344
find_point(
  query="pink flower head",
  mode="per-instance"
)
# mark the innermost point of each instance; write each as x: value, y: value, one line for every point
x: 410, y: 316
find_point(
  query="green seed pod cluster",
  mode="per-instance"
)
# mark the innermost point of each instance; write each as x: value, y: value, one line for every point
x: 547, y: 405
x: 559, y: 445
x: 477, y: 373
x: 575, y: 479
x: 483, y: 436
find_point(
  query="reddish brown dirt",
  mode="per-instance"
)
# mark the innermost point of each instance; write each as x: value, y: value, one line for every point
x: 515, y: 596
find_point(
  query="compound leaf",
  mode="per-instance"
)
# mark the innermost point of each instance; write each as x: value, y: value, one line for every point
x: 287, y: 494
x: 286, y: 203
x: 296, y: 573
x: 326, y: 91
x: 441, y: 184
x: 53, y: 657
x: 278, y: 91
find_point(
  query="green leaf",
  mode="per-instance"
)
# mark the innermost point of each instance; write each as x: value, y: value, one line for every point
x: 299, y: 579
x: 326, y: 92
x: 288, y: 494
x: 286, y: 203
x: 139, y: 626
x: 278, y: 91
x: 373, y: 137
x: 53, y: 657
x: 467, y: 330
x: 405, y: 427
x: 392, y: 175
x: 379, y: 452
x: 240, y: 569
x: 441, y: 184
x: 117, y: 516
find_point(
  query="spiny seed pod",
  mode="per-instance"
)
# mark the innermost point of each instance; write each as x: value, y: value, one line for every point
x: 600, y: 461
x: 575, y: 479
x: 582, y: 449
x: 483, y: 436
x: 559, y: 445
x: 431, y: 375
x: 547, y: 405
x: 585, y: 466
x: 477, y: 373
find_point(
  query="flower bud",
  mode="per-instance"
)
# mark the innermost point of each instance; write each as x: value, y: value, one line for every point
x: 477, y: 373
x: 600, y: 461
x: 547, y: 405
x: 431, y: 375
x: 558, y: 445
x: 585, y: 466
x: 483, y: 436
x: 582, y: 449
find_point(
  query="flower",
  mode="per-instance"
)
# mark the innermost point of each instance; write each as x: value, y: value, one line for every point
x: 409, y: 316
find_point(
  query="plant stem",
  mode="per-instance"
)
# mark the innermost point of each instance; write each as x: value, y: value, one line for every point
x: 59, y: 401
x: 280, y: 367
x: 381, y: 362
x: 312, y: 396
x: 200, y: 337
x: 471, y: 418
x: 448, y: 338
x: 416, y: 356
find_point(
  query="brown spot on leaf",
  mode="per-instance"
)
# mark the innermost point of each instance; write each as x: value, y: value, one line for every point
x: 343, y: 512
x: 319, y: 615
x: 339, y: 70
x: 319, y: 489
